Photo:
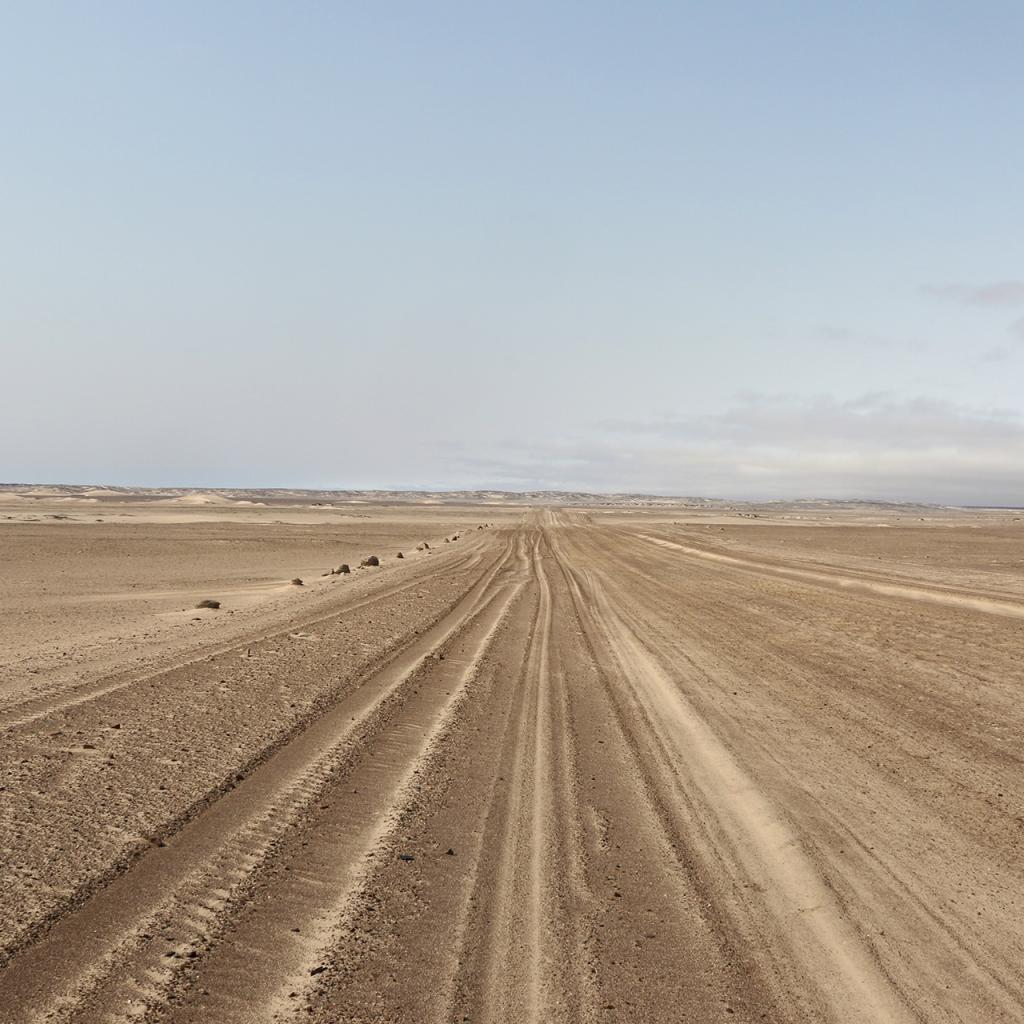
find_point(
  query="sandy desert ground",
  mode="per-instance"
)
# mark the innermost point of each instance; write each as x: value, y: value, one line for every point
x: 617, y: 763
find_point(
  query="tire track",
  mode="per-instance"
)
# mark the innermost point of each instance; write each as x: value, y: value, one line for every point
x: 636, y: 817
x: 186, y: 739
x: 869, y: 827
x: 416, y: 926
x: 290, y: 929
x: 529, y: 911
x: 986, y: 605
x: 79, y: 950
x: 757, y: 846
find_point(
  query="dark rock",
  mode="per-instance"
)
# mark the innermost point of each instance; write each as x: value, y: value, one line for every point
x: 406, y: 856
x: 372, y: 560
x: 343, y: 569
x: 318, y: 970
x: 297, y: 582
x: 208, y: 603
x: 399, y: 555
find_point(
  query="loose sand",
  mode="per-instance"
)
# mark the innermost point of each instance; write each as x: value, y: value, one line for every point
x: 611, y: 764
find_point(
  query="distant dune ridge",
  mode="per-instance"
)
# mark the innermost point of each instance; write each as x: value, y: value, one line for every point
x: 200, y: 498
x: 226, y: 497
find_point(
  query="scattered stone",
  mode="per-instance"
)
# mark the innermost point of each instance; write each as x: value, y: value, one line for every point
x: 208, y: 603
x: 406, y: 856
x: 297, y: 582
x: 318, y: 970
x: 399, y: 555
x: 372, y: 560
x: 343, y: 569
x: 449, y: 852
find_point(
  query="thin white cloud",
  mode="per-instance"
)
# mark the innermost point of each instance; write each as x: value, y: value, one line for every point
x: 999, y: 293
x: 845, y: 338
x: 875, y: 446
x: 773, y: 421
x: 996, y: 354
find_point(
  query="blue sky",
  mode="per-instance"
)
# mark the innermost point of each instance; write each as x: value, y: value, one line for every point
x: 738, y: 249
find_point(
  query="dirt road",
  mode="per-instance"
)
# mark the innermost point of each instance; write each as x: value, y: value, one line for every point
x: 559, y: 772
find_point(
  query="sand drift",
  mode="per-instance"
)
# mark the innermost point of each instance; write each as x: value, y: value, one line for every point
x: 564, y: 770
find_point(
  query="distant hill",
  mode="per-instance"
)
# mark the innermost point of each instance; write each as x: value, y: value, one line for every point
x: 199, y: 496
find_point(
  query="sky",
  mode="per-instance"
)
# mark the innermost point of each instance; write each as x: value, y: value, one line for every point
x: 730, y: 249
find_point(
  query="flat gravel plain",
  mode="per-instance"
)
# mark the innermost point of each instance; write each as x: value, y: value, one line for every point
x: 571, y: 766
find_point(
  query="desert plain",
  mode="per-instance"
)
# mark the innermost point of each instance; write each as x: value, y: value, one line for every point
x: 566, y: 760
